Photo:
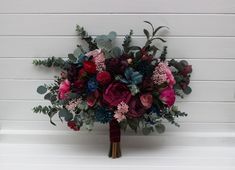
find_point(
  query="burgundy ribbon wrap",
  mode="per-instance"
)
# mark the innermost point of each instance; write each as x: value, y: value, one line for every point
x: 114, y: 131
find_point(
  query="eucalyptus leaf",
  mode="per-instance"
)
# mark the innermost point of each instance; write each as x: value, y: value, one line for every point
x: 187, y: 90
x: 160, y: 128
x: 112, y: 35
x: 64, y: 113
x: 41, y: 89
x: 116, y: 51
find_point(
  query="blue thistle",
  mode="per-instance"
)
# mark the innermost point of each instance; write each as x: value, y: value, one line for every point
x: 103, y: 115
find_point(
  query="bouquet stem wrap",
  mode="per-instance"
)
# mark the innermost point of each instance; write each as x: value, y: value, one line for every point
x: 114, y: 135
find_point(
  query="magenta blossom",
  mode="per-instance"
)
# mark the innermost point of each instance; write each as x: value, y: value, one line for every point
x: 116, y: 93
x: 64, y: 89
x: 167, y: 96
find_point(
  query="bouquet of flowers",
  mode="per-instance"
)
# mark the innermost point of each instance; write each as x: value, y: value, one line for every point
x: 131, y: 86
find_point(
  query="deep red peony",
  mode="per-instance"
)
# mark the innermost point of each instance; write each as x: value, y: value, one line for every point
x: 117, y: 93
x: 89, y: 67
x: 72, y: 125
x: 103, y: 77
x: 136, y: 109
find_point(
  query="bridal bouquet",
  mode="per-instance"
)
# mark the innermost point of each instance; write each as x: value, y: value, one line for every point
x: 131, y: 86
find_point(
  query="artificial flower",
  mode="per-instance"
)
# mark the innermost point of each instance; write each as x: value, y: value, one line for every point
x: 89, y: 67
x: 146, y: 100
x: 117, y: 93
x: 103, y: 77
x: 72, y: 125
x: 136, y: 108
x: 64, y: 89
x: 122, y: 109
x: 167, y: 96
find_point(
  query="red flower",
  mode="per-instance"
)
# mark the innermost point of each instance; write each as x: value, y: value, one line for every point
x: 73, y: 125
x: 146, y: 100
x: 117, y: 93
x: 167, y: 96
x: 89, y: 67
x: 91, y: 100
x: 103, y: 77
x: 82, y: 73
x: 64, y: 89
x: 136, y: 108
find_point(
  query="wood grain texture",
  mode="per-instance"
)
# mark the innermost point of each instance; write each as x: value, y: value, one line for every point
x: 60, y: 46
x: 121, y: 6
x: 64, y: 24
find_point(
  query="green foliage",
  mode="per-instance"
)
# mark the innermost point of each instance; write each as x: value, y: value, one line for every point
x: 41, y: 89
x: 48, y: 110
x: 64, y: 113
x: 84, y: 36
x: 51, y: 62
x: 133, y: 124
x: 127, y: 42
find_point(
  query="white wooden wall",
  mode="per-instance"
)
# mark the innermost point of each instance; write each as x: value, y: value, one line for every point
x: 201, y: 31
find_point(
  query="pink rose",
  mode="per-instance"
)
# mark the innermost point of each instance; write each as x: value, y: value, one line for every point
x: 116, y: 93
x: 170, y: 77
x: 167, y: 96
x: 146, y: 100
x: 98, y: 59
x: 64, y: 88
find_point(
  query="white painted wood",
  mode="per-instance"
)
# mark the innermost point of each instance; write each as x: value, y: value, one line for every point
x: 200, y: 112
x: 64, y: 24
x: 201, y: 31
x: 203, y: 69
x: 121, y: 6
x: 60, y: 46
x: 208, y: 91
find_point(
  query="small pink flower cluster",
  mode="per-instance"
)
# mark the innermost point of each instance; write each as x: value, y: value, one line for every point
x: 98, y: 59
x: 122, y: 109
x: 73, y: 104
x: 162, y: 74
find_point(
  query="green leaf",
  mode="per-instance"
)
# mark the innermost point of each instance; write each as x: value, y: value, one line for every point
x: 188, y: 90
x: 116, y: 51
x: 72, y: 58
x: 160, y: 128
x: 150, y: 25
x: 41, y: 89
x: 133, y: 123
x: 146, y: 33
x: 161, y: 39
x: 158, y: 28
x: 123, y: 124
x: 64, y: 113
x: 77, y: 52
x: 146, y: 130
x: 112, y: 35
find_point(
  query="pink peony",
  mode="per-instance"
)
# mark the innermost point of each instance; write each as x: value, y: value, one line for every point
x: 146, y: 100
x: 117, y: 93
x: 98, y: 59
x: 64, y: 88
x: 162, y: 74
x: 167, y: 96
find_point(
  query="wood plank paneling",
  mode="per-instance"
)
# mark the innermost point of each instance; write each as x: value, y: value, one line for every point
x: 206, y: 69
x: 178, y: 47
x: 202, y: 90
x: 200, y: 112
x: 64, y: 24
x: 121, y: 6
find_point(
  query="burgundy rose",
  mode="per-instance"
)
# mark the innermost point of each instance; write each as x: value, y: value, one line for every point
x: 73, y: 125
x: 187, y: 69
x: 79, y: 85
x: 116, y: 93
x: 103, y: 77
x: 116, y: 65
x: 136, y: 109
x: 89, y: 67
